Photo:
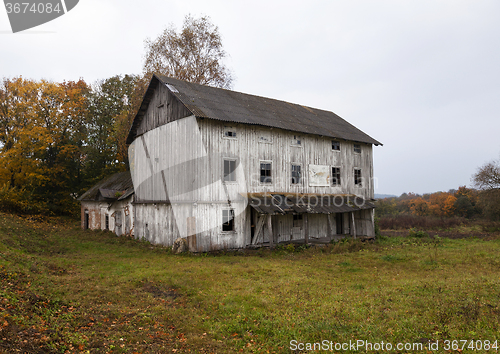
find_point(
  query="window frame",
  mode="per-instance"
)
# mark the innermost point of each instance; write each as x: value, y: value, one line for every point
x: 266, y: 162
x: 358, y: 177
x: 232, y: 130
x: 228, y: 220
x: 357, y: 148
x: 297, y: 141
x: 338, y: 177
x: 301, y: 178
x: 233, y: 173
x: 337, y: 144
x: 261, y: 134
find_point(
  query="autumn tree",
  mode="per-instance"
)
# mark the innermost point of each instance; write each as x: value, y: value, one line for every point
x: 487, y: 179
x: 41, y: 133
x: 194, y: 54
x: 111, y: 105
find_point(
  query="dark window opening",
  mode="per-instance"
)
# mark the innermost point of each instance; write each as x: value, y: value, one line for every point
x: 335, y: 145
x: 357, y: 148
x: 230, y: 134
x: 229, y: 170
x: 296, y: 174
x: 335, y: 176
x: 357, y: 177
x: 297, y: 220
x: 107, y: 222
x: 86, y: 220
x: 265, y: 172
x: 339, y: 223
x: 296, y: 140
x: 228, y: 220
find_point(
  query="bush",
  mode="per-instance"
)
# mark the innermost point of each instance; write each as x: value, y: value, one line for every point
x: 413, y: 232
x: 408, y: 221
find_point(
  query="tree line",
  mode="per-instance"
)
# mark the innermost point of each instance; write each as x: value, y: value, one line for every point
x: 57, y: 139
x: 469, y: 203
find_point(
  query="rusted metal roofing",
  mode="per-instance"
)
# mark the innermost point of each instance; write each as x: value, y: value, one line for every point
x: 311, y: 204
x: 230, y: 106
x: 115, y: 187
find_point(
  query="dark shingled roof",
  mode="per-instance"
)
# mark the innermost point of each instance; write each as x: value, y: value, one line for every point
x: 115, y: 187
x: 230, y: 106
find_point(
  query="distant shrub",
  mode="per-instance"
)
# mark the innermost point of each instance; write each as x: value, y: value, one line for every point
x: 408, y: 221
x: 413, y: 232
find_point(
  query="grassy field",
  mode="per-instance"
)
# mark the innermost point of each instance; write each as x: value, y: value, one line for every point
x: 68, y: 290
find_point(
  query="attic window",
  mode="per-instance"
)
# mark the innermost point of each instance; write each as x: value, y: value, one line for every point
x: 230, y: 132
x: 357, y: 148
x: 297, y: 140
x: 335, y: 145
x: 172, y: 88
x: 265, y: 137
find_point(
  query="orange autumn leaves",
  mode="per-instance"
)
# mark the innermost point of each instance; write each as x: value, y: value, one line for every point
x: 49, y: 149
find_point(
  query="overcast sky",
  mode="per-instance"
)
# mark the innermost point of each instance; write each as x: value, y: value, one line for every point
x: 422, y: 77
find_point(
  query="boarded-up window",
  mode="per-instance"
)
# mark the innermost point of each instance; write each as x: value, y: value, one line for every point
x: 228, y: 220
x: 265, y: 172
x: 357, y: 177
x: 319, y: 176
x: 229, y: 170
x: 335, y: 176
x: 357, y: 148
x: 296, y: 174
x: 335, y: 145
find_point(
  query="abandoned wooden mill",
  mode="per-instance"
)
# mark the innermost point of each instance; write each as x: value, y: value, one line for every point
x: 227, y: 170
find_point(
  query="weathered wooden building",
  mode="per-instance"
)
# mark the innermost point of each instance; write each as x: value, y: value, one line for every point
x: 227, y: 170
x: 109, y: 205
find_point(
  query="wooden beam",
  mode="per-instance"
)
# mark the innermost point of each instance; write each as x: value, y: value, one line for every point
x: 353, y: 229
x: 270, y: 228
x: 306, y: 228
x: 259, y: 229
x: 329, y: 226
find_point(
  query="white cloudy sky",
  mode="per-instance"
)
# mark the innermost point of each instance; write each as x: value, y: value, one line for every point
x: 421, y: 76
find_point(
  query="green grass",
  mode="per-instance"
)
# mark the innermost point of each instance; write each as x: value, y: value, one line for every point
x: 68, y: 290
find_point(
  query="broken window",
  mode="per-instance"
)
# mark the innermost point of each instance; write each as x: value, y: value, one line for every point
x: 335, y: 145
x: 228, y: 220
x: 230, y: 132
x: 357, y: 148
x: 297, y: 141
x: 335, y: 176
x: 265, y: 172
x: 229, y: 170
x: 296, y: 174
x: 357, y: 177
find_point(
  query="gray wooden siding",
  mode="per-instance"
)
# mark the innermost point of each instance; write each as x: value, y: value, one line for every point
x: 163, y: 108
x: 314, y: 150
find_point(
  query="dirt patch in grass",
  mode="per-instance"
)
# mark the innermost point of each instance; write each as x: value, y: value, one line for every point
x: 161, y: 291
